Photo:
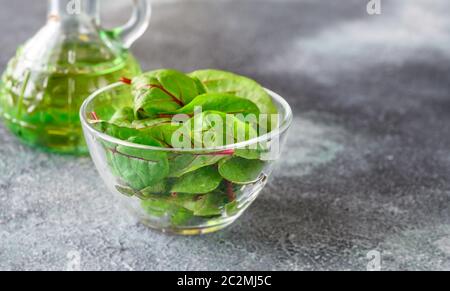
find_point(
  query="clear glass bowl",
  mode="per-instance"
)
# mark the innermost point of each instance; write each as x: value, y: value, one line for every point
x: 178, y: 213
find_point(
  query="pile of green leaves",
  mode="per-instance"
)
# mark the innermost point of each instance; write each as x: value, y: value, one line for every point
x: 180, y: 184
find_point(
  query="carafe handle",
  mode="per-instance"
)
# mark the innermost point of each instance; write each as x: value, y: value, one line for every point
x: 137, y: 24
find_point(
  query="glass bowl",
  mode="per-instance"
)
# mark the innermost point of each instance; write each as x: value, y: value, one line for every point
x: 156, y: 204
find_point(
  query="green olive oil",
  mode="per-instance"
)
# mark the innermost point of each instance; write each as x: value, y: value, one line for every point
x: 41, y: 107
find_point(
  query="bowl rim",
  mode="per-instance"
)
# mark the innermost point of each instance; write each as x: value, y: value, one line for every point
x: 286, y: 123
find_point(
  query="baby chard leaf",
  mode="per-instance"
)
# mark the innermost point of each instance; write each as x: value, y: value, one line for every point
x: 162, y: 207
x: 202, y: 181
x: 163, y: 133
x: 160, y: 129
x: 215, y: 129
x: 123, y: 117
x: 156, y: 189
x: 181, y: 164
x: 216, y: 81
x: 144, y: 124
x: 221, y: 102
x: 116, y: 131
x: 232, y: 208
x: 251, y: 152
x: 210, y: 204
x: 145, y: 140
x: 140, y: 168
x: 200, y: 87
x: 125, y: 191
x: 156, y: 207
x: 241, y: 171
x: 181, y: 216
x: 163, y: 91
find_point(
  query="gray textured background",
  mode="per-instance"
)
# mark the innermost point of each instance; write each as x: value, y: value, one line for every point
x: 367, y: 165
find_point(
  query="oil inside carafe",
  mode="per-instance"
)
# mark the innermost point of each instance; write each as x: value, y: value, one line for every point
x: 41, y: 105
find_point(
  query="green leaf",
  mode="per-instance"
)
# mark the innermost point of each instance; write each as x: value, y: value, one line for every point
x: 251, y: 152
x: 163, y: 133
x: 119, y: 132
x: 160, y: 129
x: 140, y: 168
x: 163, y: 91
x: 125, y: 191
x: 232, y: 208
x: 215, y: 129
x: 202, y: 181
x: 248, y: 154
x: 145, y: 140
x: 123, y: 117
x: 207, y: 205
x: 181, y: 216
x: 165, y: 207
x: 222, y: 102
x: 109, y: 153
x: 181, y: 164
x: 216, y: 81
x: 210, y: 204
x: 157, y: 207
x: 159, y: 188
x: 131, y: 192
x: 148, y: 123
x: 241, y: 171
x: 200, y: 87
x: 183, y: 207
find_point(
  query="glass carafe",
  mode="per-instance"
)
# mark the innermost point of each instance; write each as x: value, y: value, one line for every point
x: 46, y: 82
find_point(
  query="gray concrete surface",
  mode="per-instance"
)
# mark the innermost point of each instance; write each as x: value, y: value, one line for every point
x: 367, y: 165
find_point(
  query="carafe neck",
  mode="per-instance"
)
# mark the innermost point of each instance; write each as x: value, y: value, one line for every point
x: 63, y: 9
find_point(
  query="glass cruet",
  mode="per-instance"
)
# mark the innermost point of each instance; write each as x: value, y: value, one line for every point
x: 46, y: 82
